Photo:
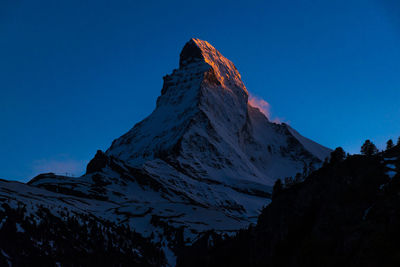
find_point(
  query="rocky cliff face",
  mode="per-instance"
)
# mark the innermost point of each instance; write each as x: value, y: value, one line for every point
x: 203, y: 159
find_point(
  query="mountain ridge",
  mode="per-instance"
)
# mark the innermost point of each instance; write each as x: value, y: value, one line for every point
x: 203, y: 159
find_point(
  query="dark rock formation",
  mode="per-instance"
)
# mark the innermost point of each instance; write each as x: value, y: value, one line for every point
x: 99, y: 161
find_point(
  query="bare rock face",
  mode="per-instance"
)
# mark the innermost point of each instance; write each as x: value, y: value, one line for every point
x: 99, y: 162
x: 191, y: 52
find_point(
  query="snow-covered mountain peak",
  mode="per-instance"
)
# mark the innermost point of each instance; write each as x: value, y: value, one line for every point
x: 204, y: 159
x: 203, y: 117
x: 206, y: 89
x: 224, y: 71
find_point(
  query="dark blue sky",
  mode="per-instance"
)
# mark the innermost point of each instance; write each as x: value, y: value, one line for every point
x: 77, y: 74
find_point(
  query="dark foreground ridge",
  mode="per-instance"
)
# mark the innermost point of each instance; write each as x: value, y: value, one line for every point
x: 344, y: 214
x: 71, y: 240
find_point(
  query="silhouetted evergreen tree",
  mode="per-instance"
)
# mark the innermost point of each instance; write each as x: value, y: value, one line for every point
x: 389, y: 144
x: 368, y: 148
x: 338, y: 155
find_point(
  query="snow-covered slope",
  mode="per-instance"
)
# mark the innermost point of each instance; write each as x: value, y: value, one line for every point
x: 203, y: 159
x: 204, y: 125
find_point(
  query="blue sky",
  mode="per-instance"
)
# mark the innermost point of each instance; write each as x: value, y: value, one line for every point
x: 77, y: 74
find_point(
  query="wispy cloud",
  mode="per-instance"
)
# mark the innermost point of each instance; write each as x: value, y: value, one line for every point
x: 264, y: 107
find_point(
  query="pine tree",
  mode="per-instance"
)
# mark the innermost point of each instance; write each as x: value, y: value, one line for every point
x: 368, y: 148
x: 338, y: 155
x: 398, y: 141
x: 389, y: 144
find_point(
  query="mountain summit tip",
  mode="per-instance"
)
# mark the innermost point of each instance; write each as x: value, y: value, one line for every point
x: 196, y: 50
x: 192, y: 51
